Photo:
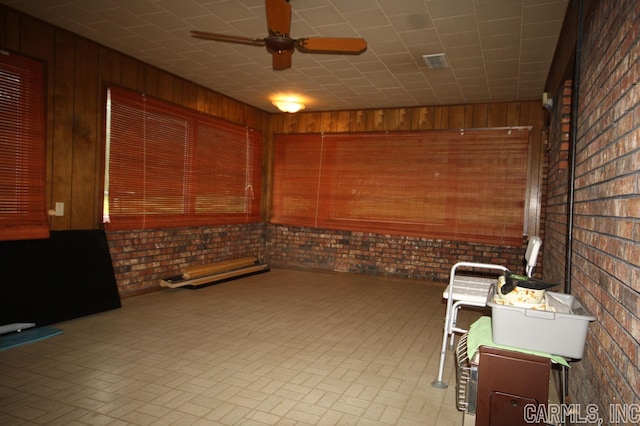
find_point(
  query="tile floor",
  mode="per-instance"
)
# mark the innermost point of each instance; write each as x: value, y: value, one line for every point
x: 285, y: 347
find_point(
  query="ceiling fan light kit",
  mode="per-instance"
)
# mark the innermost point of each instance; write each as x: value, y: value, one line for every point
x: 288, y: 105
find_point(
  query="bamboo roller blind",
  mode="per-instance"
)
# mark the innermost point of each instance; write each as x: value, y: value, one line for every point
x: 464, y: 185
x: 23, y: 212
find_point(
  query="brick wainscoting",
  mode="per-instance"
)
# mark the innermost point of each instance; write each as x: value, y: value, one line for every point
x: 141, y: 258
x: 376, y: 254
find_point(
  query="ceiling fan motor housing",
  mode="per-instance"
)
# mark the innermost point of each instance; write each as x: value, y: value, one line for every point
x: 279, y: 43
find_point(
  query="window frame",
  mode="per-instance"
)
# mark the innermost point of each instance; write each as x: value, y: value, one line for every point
x: 162, y: 197
x: 23, y: 211
x: 313, y: 157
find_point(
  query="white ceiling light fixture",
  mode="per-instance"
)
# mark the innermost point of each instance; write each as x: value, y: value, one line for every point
x: 290, y: 105
x: 436, y: 61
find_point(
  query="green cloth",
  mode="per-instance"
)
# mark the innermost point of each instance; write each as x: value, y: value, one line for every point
x: 481, y: 334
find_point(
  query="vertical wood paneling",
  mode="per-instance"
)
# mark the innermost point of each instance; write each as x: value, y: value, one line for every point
x: 129, y: 73
x: 3, y: 27
x: 150, y: 81
x: 38, y: 41
x: 445, y: 114
x: 116, y: 68
x: 404, y: 119
x: 498, y: 114
x: 469, y: 111
x: 311, y: 124
x: 177, y: 89
x: 165, y: 86
x: 437, y: 118
x: 75, y: 113
x: 457, y: 117
x: 78, y: 71
x: 343, y: 121
x: 513, y: 114
x: 479, y: 116
x: 11, y: 32
x: 63, y: 97
x: 390, y: 120
x: 83, y: 205
x: 327, y: 123
x: 422, y: 118
x: 377, y: 120
x: 360, y: 121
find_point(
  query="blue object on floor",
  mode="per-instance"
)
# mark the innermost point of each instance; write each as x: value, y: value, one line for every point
x: 31, y: 335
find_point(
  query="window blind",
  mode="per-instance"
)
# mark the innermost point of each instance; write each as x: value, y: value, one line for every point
x: 168, y: 166
x: 23, y: 212
x: 465, y: 185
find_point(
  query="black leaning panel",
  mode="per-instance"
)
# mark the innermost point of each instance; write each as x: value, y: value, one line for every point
x: 66, y: 276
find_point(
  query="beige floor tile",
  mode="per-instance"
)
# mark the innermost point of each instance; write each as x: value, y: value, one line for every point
x: 287, y: 347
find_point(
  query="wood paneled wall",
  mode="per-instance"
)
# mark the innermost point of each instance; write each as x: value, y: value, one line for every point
x: 78, y: 72
x: 502, y: 114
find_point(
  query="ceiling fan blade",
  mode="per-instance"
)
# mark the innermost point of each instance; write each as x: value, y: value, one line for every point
x: 228, y: 38
x: 332, y: 45
x: 282, y: 60
x: 278, y: 17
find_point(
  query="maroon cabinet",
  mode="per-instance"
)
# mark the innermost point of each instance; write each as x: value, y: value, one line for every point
x: 507, y: 382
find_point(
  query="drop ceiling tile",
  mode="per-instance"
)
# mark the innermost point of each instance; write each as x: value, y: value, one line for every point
x: 136, y: 7
x: 411, y: 21
x: 401, y: 69
x: 397, y: 58
x: 500, y: 27
x: 404, y: 7
x: 511, y: 41
x: 464, y: 38
x: 321, y: 16
x: 371, y: 66
x: 468, y: 62
x: 354, y: 6
x: 545, y: 12
x: 372, y: 18
x: 379, y: 36
x: 503, y: 69
x: 477, y: 36
x: 471, y: 74
x: 439, y: 9
x: 457, y: 52
x: 548, y: 29
x: 499, y: 54
x: 420, y: 38
x: 455, y: 24
x: 251, y: 27
x: 497, y: 9
x: 183, y: 9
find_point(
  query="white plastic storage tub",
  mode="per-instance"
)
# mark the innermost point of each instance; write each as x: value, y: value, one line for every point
x: 562, y: 330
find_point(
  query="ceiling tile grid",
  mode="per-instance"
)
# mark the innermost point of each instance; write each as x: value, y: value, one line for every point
x: 497, y: 50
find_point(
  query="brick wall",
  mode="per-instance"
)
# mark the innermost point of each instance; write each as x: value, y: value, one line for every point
x: 379, y: 254
x: 141, y: 258
x: 606, y: 256
x: 557, y: 186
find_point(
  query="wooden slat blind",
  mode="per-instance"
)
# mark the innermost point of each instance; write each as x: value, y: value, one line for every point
x: 168, y: 166
x: 462, y: 185
x: 23, y: 212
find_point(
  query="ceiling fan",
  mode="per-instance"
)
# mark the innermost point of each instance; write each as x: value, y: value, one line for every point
x: 280, y: 45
